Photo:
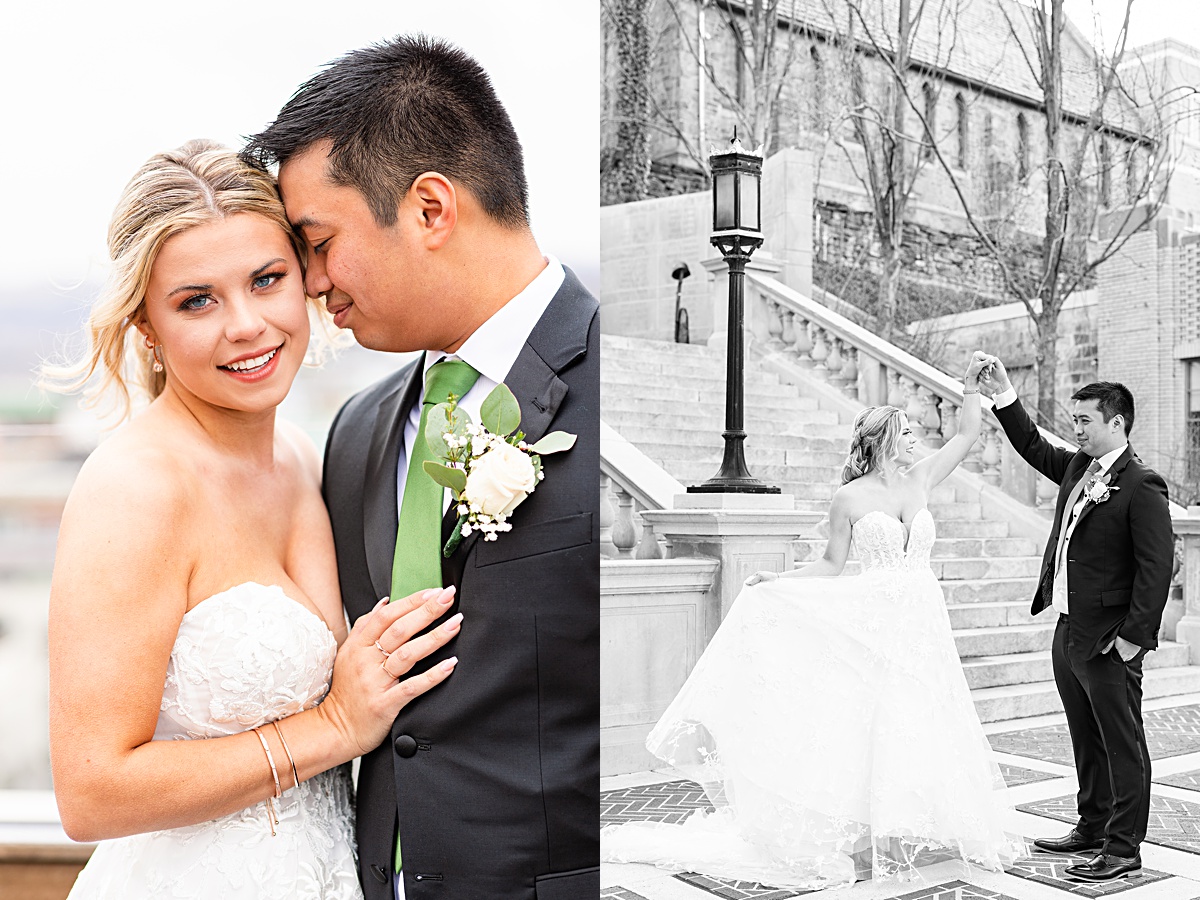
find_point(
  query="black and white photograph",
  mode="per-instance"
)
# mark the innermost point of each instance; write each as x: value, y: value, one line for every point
x: 900, y: 449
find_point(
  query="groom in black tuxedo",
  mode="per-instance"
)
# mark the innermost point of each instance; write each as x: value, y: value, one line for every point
x: 1107, y: 572
x: 402, y: 171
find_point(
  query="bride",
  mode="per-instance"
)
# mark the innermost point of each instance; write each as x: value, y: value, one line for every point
x: 829, y: 720
x: 199, y: 722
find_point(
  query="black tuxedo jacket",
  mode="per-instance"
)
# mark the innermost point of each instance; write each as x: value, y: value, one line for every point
x: 494, y: 774
x: 1119, y: 561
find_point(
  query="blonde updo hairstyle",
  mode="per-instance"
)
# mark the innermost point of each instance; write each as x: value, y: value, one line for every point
x: 876, y: 433
x: 173, y: 191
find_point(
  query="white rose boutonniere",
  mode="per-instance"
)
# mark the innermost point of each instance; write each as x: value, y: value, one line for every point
x: 488, y: 467
x: 1098, y: 489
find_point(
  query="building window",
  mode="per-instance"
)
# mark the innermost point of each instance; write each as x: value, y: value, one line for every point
x: 930, y: 119
x: 858, y: 90
x: 1131, y: 174
x: 1022, y: 147
x: 1192, y: 418
x: 963, y: 124
x: 739, y: 65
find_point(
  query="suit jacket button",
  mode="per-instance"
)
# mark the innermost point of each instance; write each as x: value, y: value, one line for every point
x: 380, y: 874
x: 406, y: 746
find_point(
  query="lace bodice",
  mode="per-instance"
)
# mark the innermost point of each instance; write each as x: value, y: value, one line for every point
x: 883, y: 542
x: 244, y: 657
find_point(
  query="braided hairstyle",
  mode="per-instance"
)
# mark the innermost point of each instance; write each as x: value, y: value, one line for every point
x: 876, y: 433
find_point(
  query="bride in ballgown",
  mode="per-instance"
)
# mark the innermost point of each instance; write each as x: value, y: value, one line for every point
x: 829, y: 720
x: 204, y: 691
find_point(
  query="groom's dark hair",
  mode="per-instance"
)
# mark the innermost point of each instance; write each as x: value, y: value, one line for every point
x: 1112, y: 399
x: 397, y: 109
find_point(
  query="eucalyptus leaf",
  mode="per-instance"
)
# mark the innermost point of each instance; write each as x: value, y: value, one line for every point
x: 554, y: 442
x: 455, y: 479
x: 500, y: 413
x: 443, y: 420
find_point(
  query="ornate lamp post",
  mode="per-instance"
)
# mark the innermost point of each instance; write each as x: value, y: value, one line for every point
x: 737, y: 217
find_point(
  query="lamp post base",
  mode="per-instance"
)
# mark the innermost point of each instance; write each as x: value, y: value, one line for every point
x: 719, y: 485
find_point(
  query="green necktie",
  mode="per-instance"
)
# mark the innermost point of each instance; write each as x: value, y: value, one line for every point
x: 417, y: 564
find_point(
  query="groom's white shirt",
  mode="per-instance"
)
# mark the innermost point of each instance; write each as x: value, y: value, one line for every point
x: 491, y: 351
x: 1006, y: 398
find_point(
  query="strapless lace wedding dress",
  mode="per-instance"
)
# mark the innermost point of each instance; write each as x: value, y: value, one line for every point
x: 245, y: 657
x: 831, y: 726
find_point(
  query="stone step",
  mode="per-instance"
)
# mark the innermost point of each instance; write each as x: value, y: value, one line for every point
x: 639, y: 348
x: 697, y: 420
x: 1035, y: 666
x: 1003, y: 640
x: 945, y: 548
x: 972, y: 528
x: 776, y: 400
x: 970, y: 568
x: 1014, y: 701
x: 955, y: 511
x: 989, y: 590
x: 695, y: 435
x: 678, y: 369
x: 618, y: 377
x: 989, y: 615
x: 653, y: 401
x: 688, y: 471
x: 791, y: 464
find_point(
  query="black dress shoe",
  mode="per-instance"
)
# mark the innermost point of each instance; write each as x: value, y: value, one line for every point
x: 1072, y: 843
x: 1106, y: 867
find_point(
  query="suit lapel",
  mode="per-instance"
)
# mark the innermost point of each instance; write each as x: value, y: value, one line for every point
x: 380, y: 513
x: 558, y: 338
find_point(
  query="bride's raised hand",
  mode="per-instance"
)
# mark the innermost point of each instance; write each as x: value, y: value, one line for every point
x: 369, y: 688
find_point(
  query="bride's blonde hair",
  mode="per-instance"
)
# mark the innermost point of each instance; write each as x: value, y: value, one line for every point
x: 173, y: 191
x: 876, y: 433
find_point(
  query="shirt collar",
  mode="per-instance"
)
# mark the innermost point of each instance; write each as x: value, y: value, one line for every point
x: 1106, y: 461
x: 495, y: 345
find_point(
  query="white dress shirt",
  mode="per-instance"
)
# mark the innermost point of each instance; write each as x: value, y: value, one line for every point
x: 491, y: 351
x: 1070, y: 516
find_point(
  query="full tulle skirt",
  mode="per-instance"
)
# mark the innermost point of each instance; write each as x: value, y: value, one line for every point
x: 832, y: 728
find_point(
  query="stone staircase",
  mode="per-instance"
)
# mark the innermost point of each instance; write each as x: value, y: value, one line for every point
x: 669, y: 400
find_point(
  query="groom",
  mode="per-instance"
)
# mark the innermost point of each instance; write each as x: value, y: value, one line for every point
x: 1107, y: 572
x: 401, y: 170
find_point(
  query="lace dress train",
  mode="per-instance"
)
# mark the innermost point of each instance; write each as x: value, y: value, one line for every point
x: 242, y: 658
x: 830, y: 724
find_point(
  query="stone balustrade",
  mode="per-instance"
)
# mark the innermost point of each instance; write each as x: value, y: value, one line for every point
x: 631, y: 482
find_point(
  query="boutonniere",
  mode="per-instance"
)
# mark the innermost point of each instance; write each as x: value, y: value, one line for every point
x: 1098, y: 488
x: 488, y: 467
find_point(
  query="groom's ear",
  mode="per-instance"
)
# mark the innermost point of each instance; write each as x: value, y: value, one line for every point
x: 433, y: 198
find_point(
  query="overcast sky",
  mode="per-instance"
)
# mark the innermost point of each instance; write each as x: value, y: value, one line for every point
x: 92, y: 89
x: 1149, y: 20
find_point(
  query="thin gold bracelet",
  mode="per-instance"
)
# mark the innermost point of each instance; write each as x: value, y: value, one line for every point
x: 272, y: 816
x: 287, y: 750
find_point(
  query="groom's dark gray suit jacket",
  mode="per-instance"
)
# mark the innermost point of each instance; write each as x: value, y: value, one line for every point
x: 494, y: 773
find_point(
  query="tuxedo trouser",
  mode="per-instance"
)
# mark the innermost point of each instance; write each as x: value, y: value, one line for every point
x: 1102, y: 697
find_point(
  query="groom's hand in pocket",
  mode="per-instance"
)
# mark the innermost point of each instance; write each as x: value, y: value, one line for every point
x: 369, y: 688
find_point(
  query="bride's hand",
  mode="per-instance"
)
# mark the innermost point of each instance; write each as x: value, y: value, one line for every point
x: 761, y: 576
x: 369, y: 688
x: 979, y: 362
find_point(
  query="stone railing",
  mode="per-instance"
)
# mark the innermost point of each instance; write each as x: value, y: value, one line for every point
x: 872, y: 371
x: 630, y: 482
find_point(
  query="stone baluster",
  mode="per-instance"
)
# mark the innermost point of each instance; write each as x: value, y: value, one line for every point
x: 775, y: 316
x: 624, y: 532
x: 931, y: 420
x: 835, y: 361
x: 606, y: 517
x: 991, y: 455
x: 914, y: 409
x: 647, y: 547
x: 850, y: 372
x: 895, y: 394
x: 1046, y: 492
x: 787, y: 334
x: 1187, y: 529
x: 820, y: 350
x: 949, y: 411
x: 804, y: 341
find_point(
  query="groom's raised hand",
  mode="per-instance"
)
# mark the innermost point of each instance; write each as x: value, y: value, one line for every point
x: 994, y: 378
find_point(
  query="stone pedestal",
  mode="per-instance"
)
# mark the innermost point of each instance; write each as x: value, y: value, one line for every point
x: 746, y: 533
x: 1188, y: 629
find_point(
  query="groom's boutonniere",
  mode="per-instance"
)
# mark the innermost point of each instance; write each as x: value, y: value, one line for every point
x: 1098, y: 489
x: 488, y: 466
